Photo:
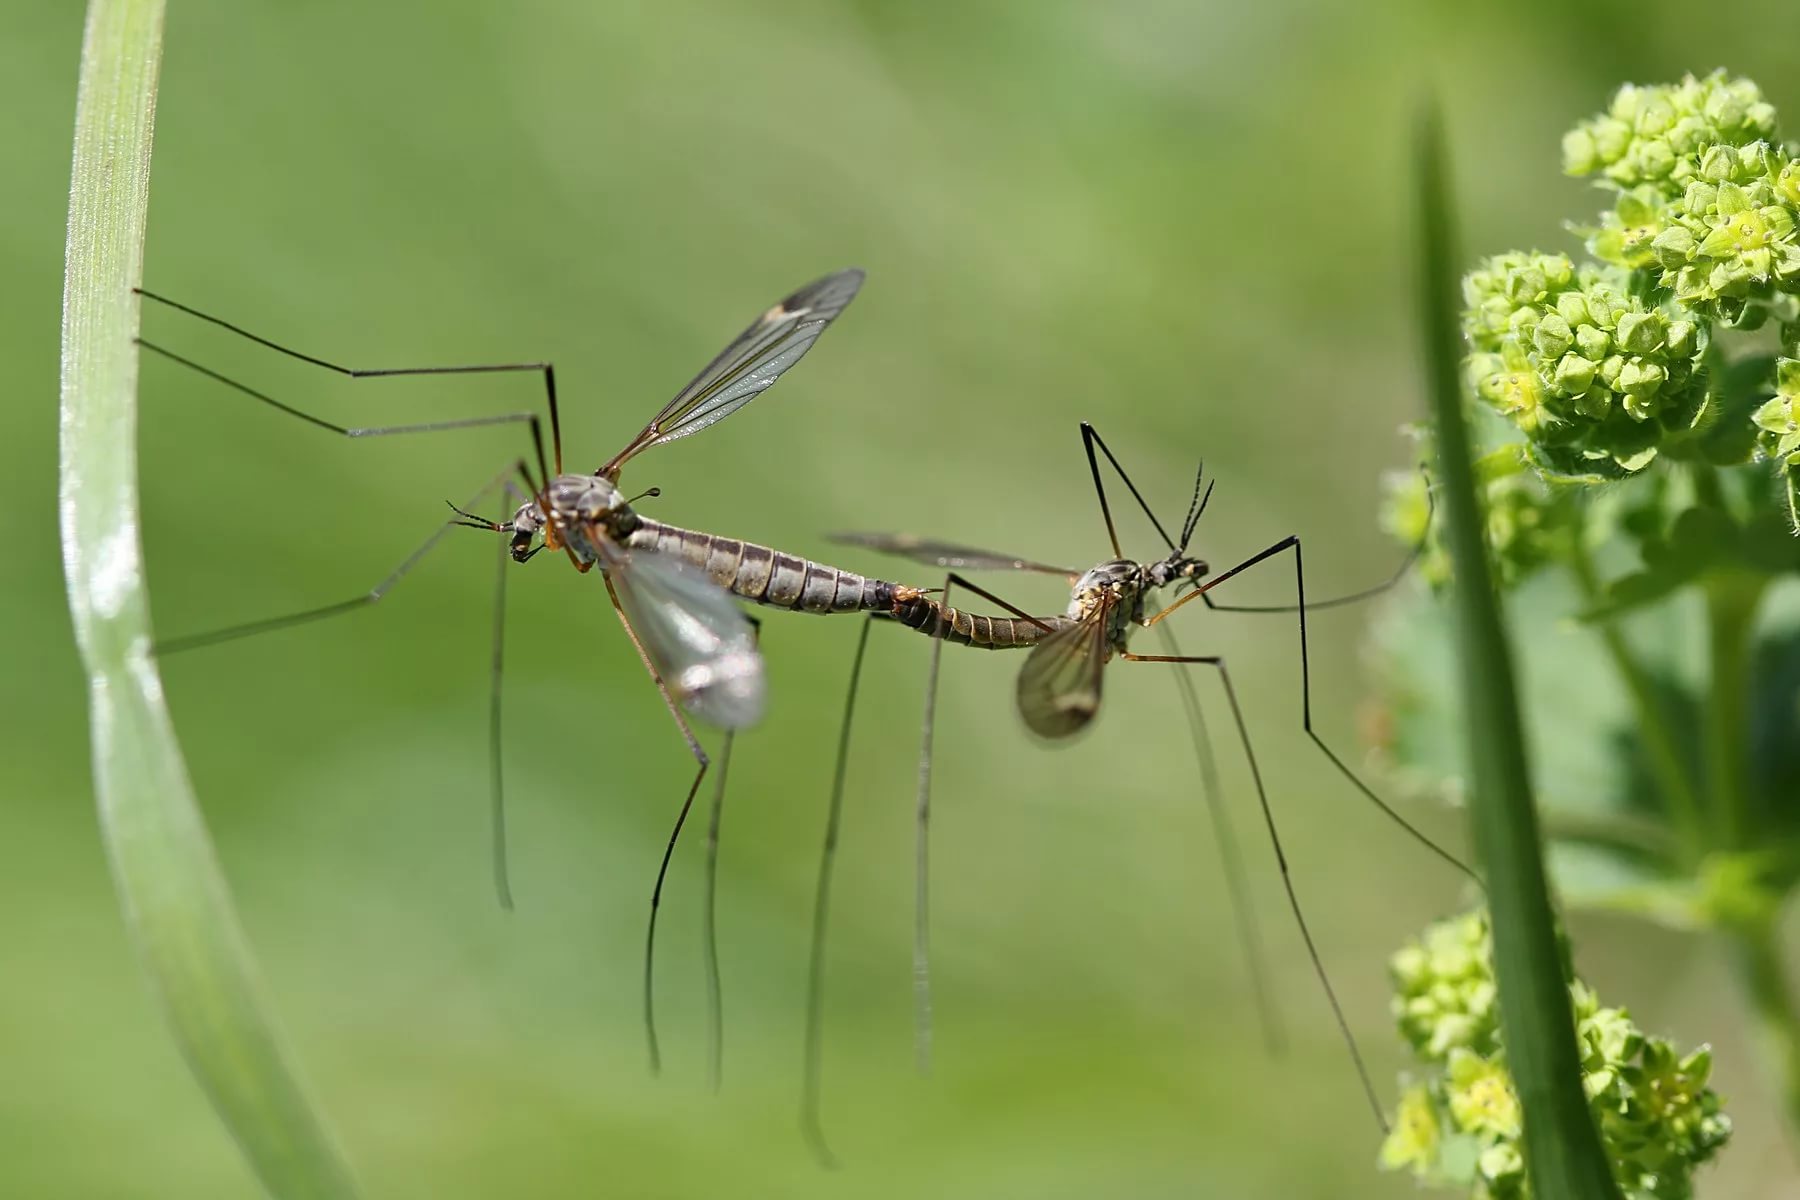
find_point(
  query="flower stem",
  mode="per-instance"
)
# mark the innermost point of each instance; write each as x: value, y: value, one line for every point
x: 1731, y: 603
x: 1757, y: 957
x: 1658, y: 736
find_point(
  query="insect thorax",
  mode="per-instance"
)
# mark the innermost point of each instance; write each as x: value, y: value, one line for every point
x: 579, y: 506
x: 1121, y: 580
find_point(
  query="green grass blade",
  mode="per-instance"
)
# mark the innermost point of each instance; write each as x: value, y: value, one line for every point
x: 1562, y: 1148
x: 174, y: 897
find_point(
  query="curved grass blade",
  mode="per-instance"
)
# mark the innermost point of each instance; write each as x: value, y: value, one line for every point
x: 1562, y: 1148
x: 174, y: 897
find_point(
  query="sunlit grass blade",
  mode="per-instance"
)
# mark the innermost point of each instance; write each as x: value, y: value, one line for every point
x: 174, y: 897
x: 1562, y: 1148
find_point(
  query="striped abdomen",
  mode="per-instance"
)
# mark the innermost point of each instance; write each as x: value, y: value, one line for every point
x: 933, y: 619
x: 765, y: 576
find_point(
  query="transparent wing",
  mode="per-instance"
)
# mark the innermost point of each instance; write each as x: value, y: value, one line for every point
x: 1059, y: 686
x: 945, y: 554
x: 773, y: 343
x: 697, y: 638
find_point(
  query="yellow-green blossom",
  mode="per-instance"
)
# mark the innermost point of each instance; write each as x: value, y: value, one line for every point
x: 1413, y: 1139
x: 1481, y: 1096
x: 1658, y: 1118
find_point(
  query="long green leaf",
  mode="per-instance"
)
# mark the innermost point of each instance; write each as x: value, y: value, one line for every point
x: 1562, y: 1148
x: 174, y: 897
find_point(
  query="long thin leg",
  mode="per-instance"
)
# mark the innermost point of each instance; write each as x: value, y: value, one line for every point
x: 1287, y: 881
x: 1091, y: 438
x: 496, y: 743
x: 922, y: 850
x: 543, y: 368
x: 810, y: 1121
x: 372, y: 596
x: 1243, y: 912
x: 530, y: 420
x: 1413, y: 554
x: 693, y: 745
x: 1292, y: 542
x: 709, y: 933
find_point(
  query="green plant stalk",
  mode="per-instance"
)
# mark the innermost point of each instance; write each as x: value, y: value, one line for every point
x: 176, y: 905
x: 1658, y: 736
x: 1563, y: 1157
x: 1757, y: 956
x: 1731, y: 603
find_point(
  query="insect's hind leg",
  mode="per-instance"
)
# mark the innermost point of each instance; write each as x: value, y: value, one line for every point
x: 1292, y: 543
x: 703, y: 762
x: 1287, y: 881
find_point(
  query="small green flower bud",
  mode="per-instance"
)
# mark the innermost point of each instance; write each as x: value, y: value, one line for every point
x: 1552, y: 337
x: 1675, y: 246
x: 1593, y: 342
x: 1718, y: 164
x: 1680, y: 338
x: 1639, y: 332
x: 1574, y: 374
x: 1572, y: 308
x: 1580, y: 155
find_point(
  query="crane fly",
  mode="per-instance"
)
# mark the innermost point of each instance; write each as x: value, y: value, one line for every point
x: 1058, y: 695
x: 674, y: 589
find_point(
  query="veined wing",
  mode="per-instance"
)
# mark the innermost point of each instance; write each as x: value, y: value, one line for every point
x: 1059, y: 686
x: 744, y: 369
x: 945, y: 554
x: 697, y: 638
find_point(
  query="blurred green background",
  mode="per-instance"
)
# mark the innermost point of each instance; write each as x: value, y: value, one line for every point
x: 1185, y: 222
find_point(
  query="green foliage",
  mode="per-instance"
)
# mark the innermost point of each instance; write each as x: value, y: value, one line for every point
x: 1460, y: 1124
x: 1631, y: 415
x: 1559, y: 1148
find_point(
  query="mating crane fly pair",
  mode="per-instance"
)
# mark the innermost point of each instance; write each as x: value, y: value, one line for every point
x: 674, y: 590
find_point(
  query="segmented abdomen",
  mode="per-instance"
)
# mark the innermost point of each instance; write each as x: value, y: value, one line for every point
x: 765, y: 576
x: 931, y: 618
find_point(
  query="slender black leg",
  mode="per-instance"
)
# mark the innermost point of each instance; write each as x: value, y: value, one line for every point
x: 811, y: 1123
x: 374, y: 595
x: 1236, y: 886
x: 544, y: 369
x: 693, y: 745
x: 1090, y: 438
x: 1293, y: 543
x: 1287, y: 881
x: 1413, y: 554
x: 709, y: 929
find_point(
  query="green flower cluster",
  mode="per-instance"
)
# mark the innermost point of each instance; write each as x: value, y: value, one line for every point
x: 1595, y: 376
x: 1603, y: 367
x: 1461, y: 1125
x: 1653, y: 134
